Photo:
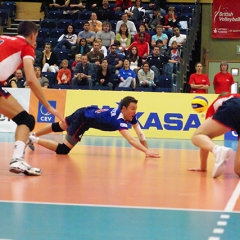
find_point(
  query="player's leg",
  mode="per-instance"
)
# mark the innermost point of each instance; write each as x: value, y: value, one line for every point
x: 10, y: 107
x: 237, y: 160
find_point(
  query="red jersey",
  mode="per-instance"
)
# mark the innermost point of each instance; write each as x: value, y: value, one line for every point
x: 12, y: 52
x: 199, y: 79
x: 222, y: 82
x: 218, y: 102
x: 146, y: 39
x: 142, y: 48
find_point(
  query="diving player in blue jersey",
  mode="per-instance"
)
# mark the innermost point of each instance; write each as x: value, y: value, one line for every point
x: 93, y: 117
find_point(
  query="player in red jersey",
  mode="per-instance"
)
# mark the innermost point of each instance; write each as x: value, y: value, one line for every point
x: 222, y: 116
x: 17, y: 52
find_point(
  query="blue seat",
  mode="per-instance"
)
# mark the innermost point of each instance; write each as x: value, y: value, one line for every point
x: 165, y: 81
x: 56, y: 33
x: 163, y: 90
x: 99, y: 87
x: 55, y: 14
x: 80, y: 87
x: 62, y: 54
x: 48, y: 23
x: 143, y: 89
x: 113, y: 24
x: 63, y: 23
x: 185, y: 17
x: 52, y: 41
x: 51, y: 78
x: 61, y: 86
x: 4, y: 15
x: 11, y: 6
x: 78, y: 24
x: 43, y: 32
x: 118, y: 15
x: 123, y: 89
x: 39, y: 42
x: 85, y: 15
x: 187, y: 8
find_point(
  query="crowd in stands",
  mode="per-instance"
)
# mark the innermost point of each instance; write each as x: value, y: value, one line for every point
x: 113, y: 46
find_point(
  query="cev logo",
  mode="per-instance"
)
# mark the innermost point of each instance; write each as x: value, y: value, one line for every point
x: 44, y: 115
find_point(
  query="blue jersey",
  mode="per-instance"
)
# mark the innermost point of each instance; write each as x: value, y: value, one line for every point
x: 126, y: 73
x: 107, y: 119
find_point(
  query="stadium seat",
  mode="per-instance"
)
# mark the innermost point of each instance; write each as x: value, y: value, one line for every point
x: 63, y: 23
x: 99, y: 87
x: 123, y: 89
x: 39, y: 42
x: 52, y: 41
x: 62, y: 54
x: 118, y: 15
x: 143, y: 89
x: 61, y: 86
x: 187, y: 8
x: 80, y: 87
x: 163, y: 90
x: 51, y: 78
x: 165, y: 81
x: 85, y: 15
x: 55, y: 14
x: 12, y: 8
x: 78, y: 24
x: 56, y: 33
x: 48, y: 23
x: 4, y: 15
x: 43, y: 32
x: 113, y: 24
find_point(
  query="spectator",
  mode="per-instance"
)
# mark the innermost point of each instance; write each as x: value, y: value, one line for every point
x: 49, y: 5
x: 136, y: 12
x: 199, y: 82
x: 160, y: 35
x: 127, y: 76
x: 72, y: 9
x: 95, y: 25
x: 142, y: 29
x: 102, y: 49
x: 223, y: 80
x: 130, y: 25
x: 122, y: 5
x: 18, y: 81
x: 44, y: 82
x: 68, y: 39
x: 93, y: 5
x: 170, y: 20
x: 135, y: 60
x: 104, y: 75
x: 160, y: 4
x: 155, y: 20
x: 106, y: 35
x: 179, y: 38
x: 146, y: 76
x: 95, y: 56
x: 143, y: 47
x: 82, y: 47
x: 159, y: 43
x: 83, y: 73
x: 49, y: 60
x: 105, y: 11
x: 114, y: 59
x: 64, y: 74
x: 78, y: 58
x: 87, y: 34
x: 123, y: 36
x: 38, y: 57
x: 174, y: 59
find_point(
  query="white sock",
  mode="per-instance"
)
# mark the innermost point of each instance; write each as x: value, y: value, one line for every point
x: 215, y: 149
x: 34, y: 139
x: 18, y: 149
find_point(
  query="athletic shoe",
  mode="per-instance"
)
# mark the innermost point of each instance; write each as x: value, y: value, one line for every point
x: 18, y: 165
x: 222, y: 155
x: 29, y: 143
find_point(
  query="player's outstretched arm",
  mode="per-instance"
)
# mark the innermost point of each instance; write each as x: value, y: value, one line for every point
x: 203, y: 162
x: 36, y: 88
x: 149, y: 153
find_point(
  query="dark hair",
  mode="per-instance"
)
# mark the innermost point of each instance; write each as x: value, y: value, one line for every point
x: 86, y: 23
x: 120, y: 31
x: 104, y: 59
x: 84, y: 40
x: 66, y: 29
x: 132, y: 57
x: 127, y: 100
x: 26, y: 28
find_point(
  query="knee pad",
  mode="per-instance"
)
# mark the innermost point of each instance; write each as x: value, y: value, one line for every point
x: 56, y: 127
x: 24, y: 118
x: 62, y: 149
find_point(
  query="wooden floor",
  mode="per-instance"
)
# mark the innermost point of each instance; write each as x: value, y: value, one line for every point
x: 104, y: 189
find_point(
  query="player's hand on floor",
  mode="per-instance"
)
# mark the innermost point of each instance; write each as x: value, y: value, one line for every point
x: 152, y: 154
x: 196, y: 170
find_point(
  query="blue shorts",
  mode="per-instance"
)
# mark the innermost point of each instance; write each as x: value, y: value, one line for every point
x: 77, y: 124
x: 229, y: 114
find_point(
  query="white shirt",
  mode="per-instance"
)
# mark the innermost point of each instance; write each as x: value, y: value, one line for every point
x: 179, y: 39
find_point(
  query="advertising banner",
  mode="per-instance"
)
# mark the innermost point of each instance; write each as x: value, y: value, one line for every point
x: 226, y: 19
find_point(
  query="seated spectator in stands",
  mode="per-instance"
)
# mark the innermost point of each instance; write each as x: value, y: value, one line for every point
x: 83, y: 73
x: 49, y: 5
x: 68, y: 39
x: 161, y: 4
x: 49, y: 60
x: 136, y: 12
x: 156, y: 61
x: 142, y: 29
x: 123, y: 36
x: 126, y: 75
x: 106, y: 35
x: 143, y: 47
x: 78, y: 58
x: 155, y: 20
x: 102, y: 49
x: 77, y: 4
x: 93, y: 5
x: 64, y: 74
x: 119, y: 50
x: 174, y: 58
x: 104, y: 75
x: 159, y: 43
x: 95, y: 25
x: 82, y: 47
x: 223, y: 80
x: 71, y: 10
x: 105, y: 11
x: 122, y: 5
x: 146, y: 76
x: 38, y: 57
x: 44, y: 82
x: 170, y: 20
x: 130, y: 25
x: 160, y: 35
x: 95, y: 56
x: 179, y: 38
x: 87, y: 34
x: 114, y: 59
x: 135, y: 60
x: 198, y: 81
x: 18, y: 81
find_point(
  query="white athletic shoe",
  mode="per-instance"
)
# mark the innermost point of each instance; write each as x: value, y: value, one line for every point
x: 222, y: 155
x: 18, y: 165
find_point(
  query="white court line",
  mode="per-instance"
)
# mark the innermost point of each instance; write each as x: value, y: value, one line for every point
x: 232, y: 201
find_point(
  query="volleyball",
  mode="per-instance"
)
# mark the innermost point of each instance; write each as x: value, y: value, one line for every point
x: 199, y: 104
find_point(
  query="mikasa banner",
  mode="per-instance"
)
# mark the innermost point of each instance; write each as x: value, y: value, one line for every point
x: 226, y: 19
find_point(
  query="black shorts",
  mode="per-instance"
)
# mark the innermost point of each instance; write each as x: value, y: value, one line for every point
x: 4, y: 93
x: 77, y: 123
x: 229, y: 114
